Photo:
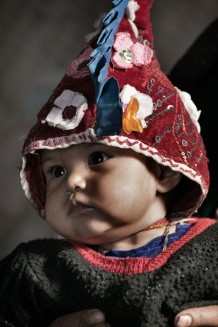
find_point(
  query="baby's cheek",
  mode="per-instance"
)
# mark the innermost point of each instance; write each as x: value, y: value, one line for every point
x: 51, y: 208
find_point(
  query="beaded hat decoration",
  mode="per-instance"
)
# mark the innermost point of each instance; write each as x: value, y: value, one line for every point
x: 114, y: 93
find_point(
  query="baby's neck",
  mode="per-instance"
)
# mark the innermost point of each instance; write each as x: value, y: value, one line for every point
x: 142, y: 237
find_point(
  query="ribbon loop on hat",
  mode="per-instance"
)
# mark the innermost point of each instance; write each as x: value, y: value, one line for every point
x: 109, y: 114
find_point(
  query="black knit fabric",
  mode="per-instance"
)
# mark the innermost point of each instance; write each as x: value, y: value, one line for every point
x: 44, y: 279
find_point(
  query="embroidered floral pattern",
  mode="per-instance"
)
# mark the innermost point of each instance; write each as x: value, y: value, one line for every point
x: 136, y: 107
x: 68, y: 110
x: 129, y: 54
x: 190, y: 107
x: 78, y: 67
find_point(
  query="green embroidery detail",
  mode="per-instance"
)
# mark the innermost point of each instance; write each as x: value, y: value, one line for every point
x: 126, y: 55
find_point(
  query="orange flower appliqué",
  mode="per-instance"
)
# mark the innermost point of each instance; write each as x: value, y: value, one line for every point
x: 130, y: 121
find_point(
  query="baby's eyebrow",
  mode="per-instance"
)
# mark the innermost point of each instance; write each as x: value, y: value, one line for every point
x: 46, y: 158
x: 92, y: 145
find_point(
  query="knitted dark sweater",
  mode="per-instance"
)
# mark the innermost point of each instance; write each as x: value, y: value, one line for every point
x: 44, y: 279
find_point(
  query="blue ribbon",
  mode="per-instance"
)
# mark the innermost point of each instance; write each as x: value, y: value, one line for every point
x: 109, y: 110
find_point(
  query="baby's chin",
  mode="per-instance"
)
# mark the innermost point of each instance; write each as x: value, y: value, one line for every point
x: 91, y: 234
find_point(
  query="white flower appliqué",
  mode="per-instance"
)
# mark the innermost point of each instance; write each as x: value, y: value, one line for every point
x: 136, y: 107
x: 190, y: 107
x: 131, y: 9
x: 68, y: 110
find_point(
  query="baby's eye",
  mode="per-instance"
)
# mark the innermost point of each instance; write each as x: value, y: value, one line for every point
x: 57, y: 171
x: 96, y: 158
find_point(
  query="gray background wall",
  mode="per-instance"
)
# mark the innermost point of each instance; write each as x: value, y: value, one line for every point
x: 38, y: 39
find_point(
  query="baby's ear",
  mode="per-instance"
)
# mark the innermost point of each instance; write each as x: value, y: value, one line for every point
x: 168, y: 179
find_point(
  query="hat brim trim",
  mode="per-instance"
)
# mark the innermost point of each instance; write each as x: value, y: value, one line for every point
x: 123, y: 142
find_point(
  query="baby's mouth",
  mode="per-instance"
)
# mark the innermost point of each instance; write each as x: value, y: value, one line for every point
x: 80, y: 208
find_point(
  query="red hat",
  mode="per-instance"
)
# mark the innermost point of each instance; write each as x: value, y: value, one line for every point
x: 114, y: 93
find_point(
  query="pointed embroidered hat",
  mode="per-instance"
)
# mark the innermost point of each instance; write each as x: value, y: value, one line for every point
x: 114, y: 93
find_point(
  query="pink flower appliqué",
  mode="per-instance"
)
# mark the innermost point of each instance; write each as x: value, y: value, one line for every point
x: 129, y: 54
x: 68, y: 110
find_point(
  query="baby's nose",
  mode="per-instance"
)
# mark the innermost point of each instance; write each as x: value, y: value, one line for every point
x: 76, y: 179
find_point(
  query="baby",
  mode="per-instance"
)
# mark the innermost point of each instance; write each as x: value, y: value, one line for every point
x: 106, y: 196
x: 116, y: 165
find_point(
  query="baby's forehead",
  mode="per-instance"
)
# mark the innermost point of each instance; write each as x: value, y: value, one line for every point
x: 88, y: 148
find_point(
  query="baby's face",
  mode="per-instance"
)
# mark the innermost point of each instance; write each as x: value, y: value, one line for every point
x: 97, y: 194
